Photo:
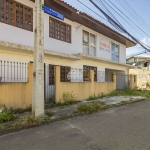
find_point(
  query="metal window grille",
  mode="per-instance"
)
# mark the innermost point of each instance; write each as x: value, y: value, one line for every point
x: 51, y: 75
x: 13, y: 71
x: 64, y: 71
x: 75, y: 75
x: 100, y: 76
x: 86, y: 73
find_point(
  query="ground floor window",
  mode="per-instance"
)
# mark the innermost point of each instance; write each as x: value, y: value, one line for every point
x: 51, y: 75
x: 64, y: 71
x: 86, y: 73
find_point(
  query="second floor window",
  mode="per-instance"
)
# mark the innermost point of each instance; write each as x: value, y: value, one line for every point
x: 89, y: 43
x: 16, y: 14
x: 59, y: 30
x: 115, y: 52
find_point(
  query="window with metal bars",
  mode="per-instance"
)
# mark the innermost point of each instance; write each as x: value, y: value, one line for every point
x: 86, y: 73
x: 51, y: 75
x: 64, y: 74
x: 16, y: 14
x: 59, y: 30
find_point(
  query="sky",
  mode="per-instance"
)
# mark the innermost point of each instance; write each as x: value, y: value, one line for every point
x: 141, y: 7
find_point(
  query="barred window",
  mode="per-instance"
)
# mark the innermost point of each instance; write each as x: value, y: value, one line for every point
x: 16, y: 14
x: 86, y: 73
x: 64, y: 72
x: 59, y: 30
x: 51, y: 75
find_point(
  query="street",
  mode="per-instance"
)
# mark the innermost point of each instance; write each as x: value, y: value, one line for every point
x: 122, y: 128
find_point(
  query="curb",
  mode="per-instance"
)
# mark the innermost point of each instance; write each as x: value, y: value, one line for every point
x: 12, y: 130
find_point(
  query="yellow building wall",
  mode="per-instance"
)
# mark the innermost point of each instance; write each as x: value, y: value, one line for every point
x: 143, y: 76
x: 82, y: 90
x: 17, y: 95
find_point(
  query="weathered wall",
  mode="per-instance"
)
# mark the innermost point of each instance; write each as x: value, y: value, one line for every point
x: 17, y: 95
x: 82, y: 90
x: 143, y: 76
x: 133, y: 81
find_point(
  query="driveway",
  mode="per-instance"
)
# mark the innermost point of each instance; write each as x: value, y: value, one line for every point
x: 122, y: 128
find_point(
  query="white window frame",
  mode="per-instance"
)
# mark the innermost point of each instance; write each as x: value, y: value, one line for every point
x: 90, y: 45
x: 115, y: 53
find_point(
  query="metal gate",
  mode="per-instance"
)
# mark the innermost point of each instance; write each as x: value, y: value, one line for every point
x: 49, y: 83
x: 122, y: 81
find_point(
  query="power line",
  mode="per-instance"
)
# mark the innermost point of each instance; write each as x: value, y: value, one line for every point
x: 118, y: 26
x: 136, y: 14
x: 130, y: 11
x: 126, y: 16
x: 91, y: 10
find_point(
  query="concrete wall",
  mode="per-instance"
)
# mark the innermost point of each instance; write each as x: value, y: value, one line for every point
x: 133, y: 81
x: 24, y: 37
x: 82, y: 90
x: 143, y: 76
x: 17, y: 95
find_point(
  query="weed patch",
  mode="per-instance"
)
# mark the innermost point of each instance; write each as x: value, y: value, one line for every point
x: 93, y: 97
x: 6, y: 115
x: 90, y: 107
x: 130, y: 92
x: 67, y: 99
x: 19, y: 110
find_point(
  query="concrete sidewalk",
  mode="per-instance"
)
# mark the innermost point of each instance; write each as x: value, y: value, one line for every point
x: 67, y: 110
x: 62, y: 113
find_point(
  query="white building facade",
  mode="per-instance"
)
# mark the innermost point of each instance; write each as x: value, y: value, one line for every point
x: 79, y: 42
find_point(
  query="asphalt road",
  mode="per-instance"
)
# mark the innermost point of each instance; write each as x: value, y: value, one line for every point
x: 123, y: 128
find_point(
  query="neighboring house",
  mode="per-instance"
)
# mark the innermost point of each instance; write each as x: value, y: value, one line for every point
x: 141, y: 62
x: 77, y: 44
x: 142, y: 70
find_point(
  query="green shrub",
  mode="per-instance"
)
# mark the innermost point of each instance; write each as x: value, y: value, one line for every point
x: 90, y: 107
x: 6, y: 115
x: 93, y: 97
x: 68, y: 98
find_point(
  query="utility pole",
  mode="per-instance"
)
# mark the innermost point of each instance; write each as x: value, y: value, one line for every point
x: 38, y: 70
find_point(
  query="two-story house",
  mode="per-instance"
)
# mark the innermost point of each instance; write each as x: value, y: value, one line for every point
x: 79, y: 41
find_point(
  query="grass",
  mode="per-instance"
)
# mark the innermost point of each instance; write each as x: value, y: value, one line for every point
x: 49, y: 114
x: 6, y: 115
x: 130, y: 92
x: 19, y: 110
x: 92, y: 97
x: 68, y: 98
x: 90, y: 107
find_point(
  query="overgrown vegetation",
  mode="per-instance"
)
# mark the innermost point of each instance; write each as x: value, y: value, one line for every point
x: 130, y: 92
x: 92, y: 97
x: 49, y: 114
x: 6, y: 115
x: 68, y: 98
x: 20, y: 110
x: 90, y: 107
